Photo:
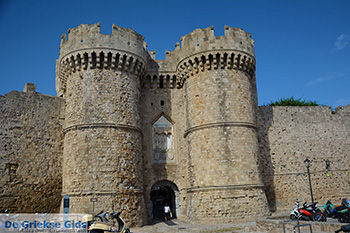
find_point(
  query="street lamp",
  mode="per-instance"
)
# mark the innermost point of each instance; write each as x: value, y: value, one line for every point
x: 307, y: 164
x: 328, y: 168
x: 328, y: 165
x: 93, y: 200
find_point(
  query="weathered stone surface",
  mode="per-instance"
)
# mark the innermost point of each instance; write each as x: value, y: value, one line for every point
x: 289, y: 135
x: 102, y: 146
x: 30, y: 151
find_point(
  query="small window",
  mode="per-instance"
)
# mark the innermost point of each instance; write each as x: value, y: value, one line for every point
x: 161, y: 82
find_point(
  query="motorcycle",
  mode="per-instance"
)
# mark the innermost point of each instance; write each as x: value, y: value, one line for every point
x: 307, y: 212
x: 324, y: 211
x: 340, y: 212
x: 102, y: 227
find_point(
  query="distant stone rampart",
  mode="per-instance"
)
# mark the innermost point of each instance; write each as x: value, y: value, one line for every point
x: 31, y: 149
x: 289, y: 135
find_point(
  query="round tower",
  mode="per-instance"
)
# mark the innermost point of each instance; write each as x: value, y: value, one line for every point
x: 99, y: 77
x: 218, y: 78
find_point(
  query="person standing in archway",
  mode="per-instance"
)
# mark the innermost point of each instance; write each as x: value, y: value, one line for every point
x: 167, y: 212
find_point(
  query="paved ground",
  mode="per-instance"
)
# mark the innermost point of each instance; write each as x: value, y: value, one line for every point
x: 183, y: 227
x: 261, y: 226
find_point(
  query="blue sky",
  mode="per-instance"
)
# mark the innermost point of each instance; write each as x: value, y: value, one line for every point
x: 302, y: 46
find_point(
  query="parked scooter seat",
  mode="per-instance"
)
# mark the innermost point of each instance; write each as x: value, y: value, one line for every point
x: 345, y: 228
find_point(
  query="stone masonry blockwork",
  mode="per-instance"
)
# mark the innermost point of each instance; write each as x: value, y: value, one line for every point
x: 224, y: 158
x: 31, y: 150
x: 289, y: 135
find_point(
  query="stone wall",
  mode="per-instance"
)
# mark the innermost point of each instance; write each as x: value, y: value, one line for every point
x: 289, y: 135
x: 30, y: 151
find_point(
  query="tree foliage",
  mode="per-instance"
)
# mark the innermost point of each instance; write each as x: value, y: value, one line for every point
x: 293, y: 102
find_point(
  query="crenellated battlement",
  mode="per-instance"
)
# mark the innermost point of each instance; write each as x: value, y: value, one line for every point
x: 125, y: 50
x: 201, y: 50
x: 204, y: 40
x: 86, y: 48
x: 215, y: 60
x: 89, y: 36
x: 160, y: 80
x: 97, y: 59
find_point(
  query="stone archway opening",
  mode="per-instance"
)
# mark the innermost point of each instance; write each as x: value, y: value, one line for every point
x: 164, y: 192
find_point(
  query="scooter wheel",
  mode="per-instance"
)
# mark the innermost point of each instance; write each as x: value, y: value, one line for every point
x: 347, y: 219
x: 320, y: 218
x: 96, y: 231
x: 292, y: 216
x: 341, y: 219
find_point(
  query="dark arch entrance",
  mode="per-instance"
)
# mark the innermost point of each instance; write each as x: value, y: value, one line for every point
x: 164, y: 192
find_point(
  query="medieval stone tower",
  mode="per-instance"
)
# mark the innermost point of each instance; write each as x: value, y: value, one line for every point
x: 99, y: 77
x: 217, y: 74
x: 125, y: 143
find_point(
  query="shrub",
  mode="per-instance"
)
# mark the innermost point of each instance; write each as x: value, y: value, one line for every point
x: 293, y: 102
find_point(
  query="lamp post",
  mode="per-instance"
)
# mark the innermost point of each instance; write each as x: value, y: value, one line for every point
x: 328, y: 164
x: 307, y: 164
x: 328, y: 168
x: 93, y: 200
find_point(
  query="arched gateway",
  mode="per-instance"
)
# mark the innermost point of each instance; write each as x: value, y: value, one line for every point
x: 164, y: 192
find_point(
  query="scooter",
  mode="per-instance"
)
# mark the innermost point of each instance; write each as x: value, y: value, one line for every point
x: 295, y: 214
x: 345, y: 228
x: 343, y: 211
x: 307, y: 212
x: 102, y: 227
x: 340, y: 212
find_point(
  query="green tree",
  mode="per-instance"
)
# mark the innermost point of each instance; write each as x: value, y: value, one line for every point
x: 293, y: 102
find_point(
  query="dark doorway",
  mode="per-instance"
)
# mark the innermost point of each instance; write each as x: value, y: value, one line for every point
x: 161, y: 195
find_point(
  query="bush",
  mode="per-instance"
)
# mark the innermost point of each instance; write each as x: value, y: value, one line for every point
x: 293, y: 102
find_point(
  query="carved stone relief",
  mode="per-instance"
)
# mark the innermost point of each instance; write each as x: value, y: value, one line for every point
x: 162, y: 133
